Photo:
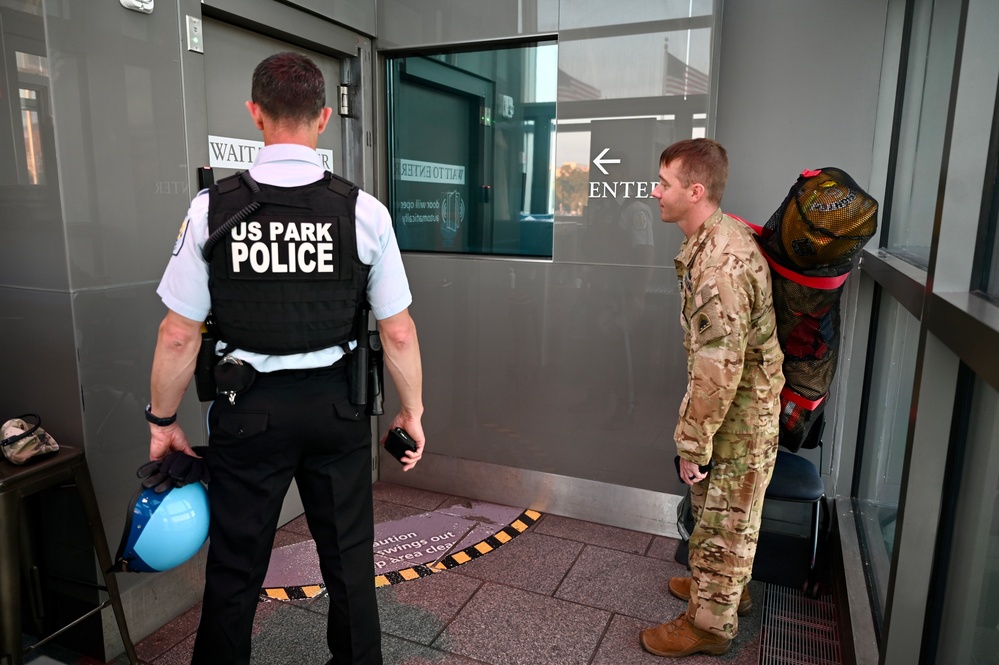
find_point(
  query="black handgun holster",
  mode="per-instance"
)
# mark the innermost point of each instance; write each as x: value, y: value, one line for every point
x: 204, y: 369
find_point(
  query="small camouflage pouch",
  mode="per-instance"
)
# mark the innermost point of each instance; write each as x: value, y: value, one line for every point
x: 22, y: 440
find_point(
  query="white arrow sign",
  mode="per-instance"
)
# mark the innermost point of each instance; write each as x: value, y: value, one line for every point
x: 600, y: 161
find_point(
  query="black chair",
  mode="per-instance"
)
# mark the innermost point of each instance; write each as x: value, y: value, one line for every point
x: 796, y: 479
x: 16, y: 482
x: 781, y: 559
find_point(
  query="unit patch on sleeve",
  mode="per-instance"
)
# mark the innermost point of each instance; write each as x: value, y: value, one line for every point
x: 180, y: 237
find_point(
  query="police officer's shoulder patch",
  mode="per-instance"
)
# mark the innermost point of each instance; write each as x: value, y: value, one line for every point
x: 180, y: 237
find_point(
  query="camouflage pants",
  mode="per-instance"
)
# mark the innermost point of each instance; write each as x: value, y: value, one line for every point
x: 727, y: 508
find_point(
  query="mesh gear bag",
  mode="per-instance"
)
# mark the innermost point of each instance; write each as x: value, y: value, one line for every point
x: 810, y: 243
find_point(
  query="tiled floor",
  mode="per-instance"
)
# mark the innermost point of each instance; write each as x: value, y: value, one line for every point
x: 563, y: 592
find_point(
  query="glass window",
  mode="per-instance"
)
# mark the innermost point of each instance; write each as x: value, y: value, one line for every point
x: 471, y: 149
x: 986, y: 273
x: 879, y: 475
x: 615, y: 119
x: 993, y: 285
x: 969, y: 631
x: 932, y: 47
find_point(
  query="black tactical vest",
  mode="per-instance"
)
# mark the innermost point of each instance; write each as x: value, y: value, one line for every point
x: 287, y: 278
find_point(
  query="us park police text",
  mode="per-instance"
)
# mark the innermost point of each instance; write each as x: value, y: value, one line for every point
x: 302, y: 247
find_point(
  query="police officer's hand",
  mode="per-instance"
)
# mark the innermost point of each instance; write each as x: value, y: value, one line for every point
x: 414, y: 428
x: 176, y: 469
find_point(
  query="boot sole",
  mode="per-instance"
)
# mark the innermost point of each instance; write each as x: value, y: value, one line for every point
x: 710, y: 649
x: 742, y: 610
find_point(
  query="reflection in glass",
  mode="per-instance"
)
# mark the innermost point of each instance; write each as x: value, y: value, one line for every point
x: 599, y: 13
x: 471, y: 148
x: 616, y: 116
x: 32, y: 73
x: 32, y: 137
x: 605, y: 67
x: 884, y: 443
x: 28, y: 63
x: 969, y: 631
x: 23, y: 151
x: 33, y: 7
x: 921, y: 138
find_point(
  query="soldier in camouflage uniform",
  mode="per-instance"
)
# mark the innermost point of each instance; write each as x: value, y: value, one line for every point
x: 729, y: 415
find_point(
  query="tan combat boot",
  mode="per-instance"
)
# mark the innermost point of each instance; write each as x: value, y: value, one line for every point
x: 679, y: 637
x: 680, y: 587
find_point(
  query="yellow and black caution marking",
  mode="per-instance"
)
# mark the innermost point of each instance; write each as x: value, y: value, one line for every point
x: 396, y: 576
x: 517, y: 527
x: 293, y: 592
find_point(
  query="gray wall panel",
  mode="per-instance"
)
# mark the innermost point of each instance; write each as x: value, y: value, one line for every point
x: 793, y: 95
x: 33, y: 250
x: 557, y: 368
x: 119, y: 112
x: 39, y: 360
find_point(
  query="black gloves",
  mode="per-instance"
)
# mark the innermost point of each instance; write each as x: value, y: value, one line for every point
x: 175, y: 470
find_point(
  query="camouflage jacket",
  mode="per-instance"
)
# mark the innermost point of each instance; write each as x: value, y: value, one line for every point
x: 734, y: 360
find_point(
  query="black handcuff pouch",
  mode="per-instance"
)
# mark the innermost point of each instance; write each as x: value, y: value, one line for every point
x: 233, y: 377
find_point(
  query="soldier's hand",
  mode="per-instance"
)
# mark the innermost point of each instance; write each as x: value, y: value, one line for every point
x: 690, y: 473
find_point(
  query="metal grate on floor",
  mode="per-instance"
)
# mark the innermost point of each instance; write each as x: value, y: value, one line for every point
x: 797, y: 630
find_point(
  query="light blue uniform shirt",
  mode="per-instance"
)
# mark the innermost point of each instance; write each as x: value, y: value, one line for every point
x: 184, y: 287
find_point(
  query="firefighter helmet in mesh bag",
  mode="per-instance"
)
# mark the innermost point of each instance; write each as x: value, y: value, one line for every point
x: 823, y: 223
x: 810, y: 242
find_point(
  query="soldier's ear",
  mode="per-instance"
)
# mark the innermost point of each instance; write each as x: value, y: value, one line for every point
x: 697, y: 192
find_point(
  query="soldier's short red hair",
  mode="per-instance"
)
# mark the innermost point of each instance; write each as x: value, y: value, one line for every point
x: 699, y: 160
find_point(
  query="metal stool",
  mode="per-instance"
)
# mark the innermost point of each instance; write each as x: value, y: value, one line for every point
x: 17, y: 482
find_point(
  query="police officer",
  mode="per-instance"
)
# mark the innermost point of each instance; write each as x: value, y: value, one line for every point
x: 283, y: 285
x: 729, y: 415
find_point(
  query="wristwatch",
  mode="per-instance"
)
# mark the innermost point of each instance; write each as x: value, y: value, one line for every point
x: 156, y: 420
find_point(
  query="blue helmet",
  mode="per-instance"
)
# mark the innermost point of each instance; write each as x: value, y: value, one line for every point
x: 163, y: 530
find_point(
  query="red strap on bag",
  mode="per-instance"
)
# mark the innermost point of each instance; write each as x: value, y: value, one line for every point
x: 824, y: 283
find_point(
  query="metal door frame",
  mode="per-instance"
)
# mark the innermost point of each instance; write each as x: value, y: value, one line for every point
x: 298, y: 28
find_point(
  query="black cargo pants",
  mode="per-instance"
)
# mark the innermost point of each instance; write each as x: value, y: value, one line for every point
x: 289, y: 424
